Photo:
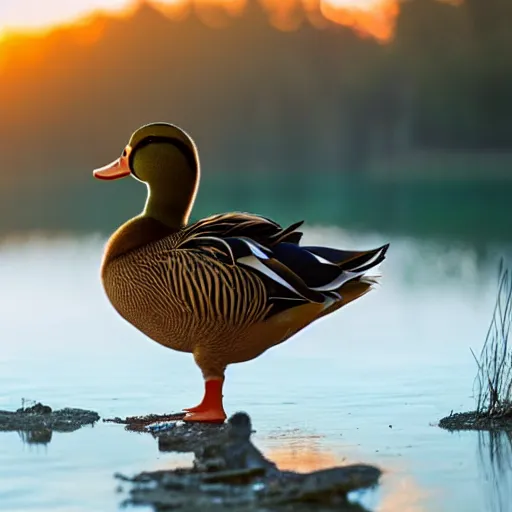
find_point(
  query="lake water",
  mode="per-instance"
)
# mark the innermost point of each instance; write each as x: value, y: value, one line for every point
x: 367, y: 384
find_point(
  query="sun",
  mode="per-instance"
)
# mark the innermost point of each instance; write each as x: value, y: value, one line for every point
x: 368, y: 17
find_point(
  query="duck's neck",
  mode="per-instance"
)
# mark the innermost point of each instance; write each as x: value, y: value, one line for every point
x: 171, y: 205
x: 135, y: 233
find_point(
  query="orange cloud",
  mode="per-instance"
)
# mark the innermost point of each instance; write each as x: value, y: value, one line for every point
x: 373, y: 17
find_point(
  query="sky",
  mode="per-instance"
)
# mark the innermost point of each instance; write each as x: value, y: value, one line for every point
x: 21, y: 15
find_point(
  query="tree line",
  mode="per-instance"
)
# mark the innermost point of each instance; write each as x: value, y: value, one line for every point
x: 257, y: 99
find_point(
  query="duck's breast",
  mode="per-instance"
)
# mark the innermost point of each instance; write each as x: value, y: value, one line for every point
x: 139, y: 290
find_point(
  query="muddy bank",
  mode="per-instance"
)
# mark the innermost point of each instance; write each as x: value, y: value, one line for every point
x: 229, y: 471
x: 37, y: 423
x: 478, y: 421
x: 191, y: 437
x: 150, y: 423
x: 173, y: 434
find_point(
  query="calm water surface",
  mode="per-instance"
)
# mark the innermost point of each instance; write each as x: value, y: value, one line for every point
x: 367, y: 384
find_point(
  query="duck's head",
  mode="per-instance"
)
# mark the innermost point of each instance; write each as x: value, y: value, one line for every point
x: 164, y: 157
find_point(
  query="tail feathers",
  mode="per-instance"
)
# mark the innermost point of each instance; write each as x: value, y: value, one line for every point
x: 312, y: 274
x: 349, y: 292
x: 367, y: 261
x: 350, y: 261
x: 355, y: 289
x: 370, y: 280
x: 352, y: 267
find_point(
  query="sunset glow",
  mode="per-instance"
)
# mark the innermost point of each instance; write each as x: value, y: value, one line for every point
x: 304, y: 454
x: 33, y: 14
x: 373, y: 17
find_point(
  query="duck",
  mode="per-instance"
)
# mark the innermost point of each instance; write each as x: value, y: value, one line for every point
x: 225, y: 288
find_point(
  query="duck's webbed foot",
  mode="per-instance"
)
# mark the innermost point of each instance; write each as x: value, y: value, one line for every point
x: 211, y: 409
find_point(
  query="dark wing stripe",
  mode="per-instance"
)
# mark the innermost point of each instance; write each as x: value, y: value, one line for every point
x: 195, y: 289
x: 254, y: 306
x: 233, y: 313
x: 180, y: 277
x: 224, y: 301
x: 211, y: 292
x: 237, y: 303
x: 229, y: 289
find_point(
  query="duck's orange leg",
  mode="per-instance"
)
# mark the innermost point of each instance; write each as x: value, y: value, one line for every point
x: 210, y: 410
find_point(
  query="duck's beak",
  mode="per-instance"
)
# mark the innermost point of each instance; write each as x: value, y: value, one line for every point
x: 119, y: 168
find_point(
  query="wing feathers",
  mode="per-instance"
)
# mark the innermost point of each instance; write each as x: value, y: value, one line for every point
x: 291, y: 274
